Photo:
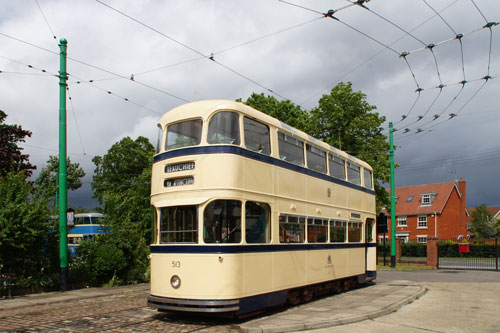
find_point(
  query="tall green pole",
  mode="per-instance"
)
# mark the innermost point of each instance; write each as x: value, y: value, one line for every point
x: 63, y: 191
x: 393, y: 200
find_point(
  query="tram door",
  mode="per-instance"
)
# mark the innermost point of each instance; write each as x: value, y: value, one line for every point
x: 369, y: 225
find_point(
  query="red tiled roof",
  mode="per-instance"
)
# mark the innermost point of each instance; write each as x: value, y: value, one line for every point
x: 493, y: 210
x: 404, y: 206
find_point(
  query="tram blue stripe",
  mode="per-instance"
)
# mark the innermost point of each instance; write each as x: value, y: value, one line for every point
x: 219, y: 249
x: 258, y: 157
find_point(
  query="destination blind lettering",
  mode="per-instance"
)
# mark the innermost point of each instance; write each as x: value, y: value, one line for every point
x: 178, y: 182
x: 179, y: 167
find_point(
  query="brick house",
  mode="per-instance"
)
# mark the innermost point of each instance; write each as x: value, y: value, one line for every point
x: 431, y: 210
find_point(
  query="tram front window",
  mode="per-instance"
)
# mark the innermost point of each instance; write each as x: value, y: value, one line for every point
x: 222, y: 222
x: 224, y: 128
x: 183, y: 134
x: 178, y: 224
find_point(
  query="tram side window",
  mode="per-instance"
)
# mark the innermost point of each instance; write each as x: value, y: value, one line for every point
x: 158, y: 140
x: 337, y: 231
x: 183, y: 134
x: 257, y: 222
x: 222, y: 222
x: 337, y: 166
x: 316, y: 230
x: 178, y: 224
x: 368, y: 178
x: 353, y: 173
x: 292, y: 229
x: 256, y: 136
x: 355, y: 230
x: 82, y: 220
x: 291, y: 149
x: 224, y: 127
x: 316, y: 158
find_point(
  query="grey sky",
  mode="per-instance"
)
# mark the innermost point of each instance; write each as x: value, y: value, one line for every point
x: 302, y: 62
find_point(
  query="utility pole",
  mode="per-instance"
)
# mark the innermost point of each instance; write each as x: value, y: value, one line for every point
x: 63, y: 190
x: 393, y: 200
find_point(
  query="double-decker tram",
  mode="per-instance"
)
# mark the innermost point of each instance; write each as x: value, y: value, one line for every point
x: 252, y: 213
x: 86, y: 226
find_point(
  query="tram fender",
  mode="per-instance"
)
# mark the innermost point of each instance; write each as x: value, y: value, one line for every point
x: 259, y: 302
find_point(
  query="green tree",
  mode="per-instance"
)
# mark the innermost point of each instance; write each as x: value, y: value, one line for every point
x: 26, y: 239
x: 11, y: 157
x: 122, y: 184
x: 344, y: 119
x: 286, y: 111
x: 482, y: 222
x: 47, y: 180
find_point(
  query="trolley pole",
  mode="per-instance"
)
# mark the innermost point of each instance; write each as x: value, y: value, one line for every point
x: 63, y: 191
x: 393, y: 200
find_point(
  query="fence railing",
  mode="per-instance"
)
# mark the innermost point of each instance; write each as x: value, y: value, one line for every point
x: 477, y: 254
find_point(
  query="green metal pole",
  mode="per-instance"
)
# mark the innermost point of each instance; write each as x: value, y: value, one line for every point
x: 63, y: 191
x: 393, y: 201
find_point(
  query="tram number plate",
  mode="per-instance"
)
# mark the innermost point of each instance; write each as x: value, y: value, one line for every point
x: 176, y: 264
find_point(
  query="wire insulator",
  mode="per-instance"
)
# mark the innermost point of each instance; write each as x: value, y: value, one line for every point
x: 330, y: 13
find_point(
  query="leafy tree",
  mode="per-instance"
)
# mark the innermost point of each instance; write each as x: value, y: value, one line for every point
x: 482, y: 224
x: 26, y: 241
x: 285, y: 111
x: 47, y: 181
x: 11, y: 158
x: 122, y: 183
x: 344, y: 119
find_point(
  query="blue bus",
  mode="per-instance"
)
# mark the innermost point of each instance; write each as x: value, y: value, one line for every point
x: 86, y: 226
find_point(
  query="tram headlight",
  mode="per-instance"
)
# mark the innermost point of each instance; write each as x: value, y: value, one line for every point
x: 175, y: 281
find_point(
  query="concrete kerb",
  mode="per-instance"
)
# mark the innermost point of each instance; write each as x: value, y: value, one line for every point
x: 281, y: 327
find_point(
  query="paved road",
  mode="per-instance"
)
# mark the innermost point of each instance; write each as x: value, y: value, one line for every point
x: 456, y: 301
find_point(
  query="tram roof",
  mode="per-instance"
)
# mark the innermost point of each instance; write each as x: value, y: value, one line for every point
x: 205, y: 108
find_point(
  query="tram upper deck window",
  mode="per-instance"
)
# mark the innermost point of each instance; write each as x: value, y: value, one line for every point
x: 257, y: 222
x: 291, y: 149
x: 368, y: 178
x: 316, y: 230
x: 183, y: 134
x: 354, y: 232
x: 178, y: 224
x: 82, y: 220
x: 256, y: 136
x: 224, y: 127
x: 337, y: 231
x: 292, y: 229
x: 353, y: 173
x: 316, y: 158
x: 222, y: 222
x: 159, y: 138
x: 337, y: 166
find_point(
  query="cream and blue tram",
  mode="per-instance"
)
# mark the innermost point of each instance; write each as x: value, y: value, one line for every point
x: 252, y: 213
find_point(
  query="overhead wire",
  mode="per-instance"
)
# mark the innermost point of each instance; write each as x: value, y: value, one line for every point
x: 46, y: 21
x: 76, y: 120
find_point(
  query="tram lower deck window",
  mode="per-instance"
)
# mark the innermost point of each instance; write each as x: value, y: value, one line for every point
x: 178, y: 224
x: 257, y: 222
x: 337, y: 231
x: 222, y: 222
x: 316, y: 230
x: 354, y: 231
x: 292, y: 229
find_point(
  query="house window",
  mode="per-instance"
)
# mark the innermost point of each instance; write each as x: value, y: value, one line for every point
x: 410, y: 198
x: 422, y: 239
x: 422, y: 222
x: 402, y: 221
x: 426, y: 199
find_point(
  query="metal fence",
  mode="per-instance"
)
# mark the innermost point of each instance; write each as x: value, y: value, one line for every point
x: 475, y: 254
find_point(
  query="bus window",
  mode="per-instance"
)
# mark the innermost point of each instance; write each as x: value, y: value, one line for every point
x: 256, y: 136
x: 224, y: 128
x: 316, y: 158
x: 337, y: 231
x: 337, y: 166
x: 367, y: 175
x: 354, y: 231
x: 257, y: 222
x: 178, y: 224
x: 316, y: 230
x: 183, y: 134
x: 291, y: 149
x: 353, y: 173
x: 292, y: 229
x: 222, y: 222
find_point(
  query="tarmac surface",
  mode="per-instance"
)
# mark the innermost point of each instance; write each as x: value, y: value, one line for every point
x: 416, y: 301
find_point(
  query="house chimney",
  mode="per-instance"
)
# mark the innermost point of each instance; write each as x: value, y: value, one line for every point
x: 463, y: 203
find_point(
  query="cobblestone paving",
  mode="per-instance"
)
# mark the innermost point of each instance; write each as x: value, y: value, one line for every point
x: 119, y: 313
